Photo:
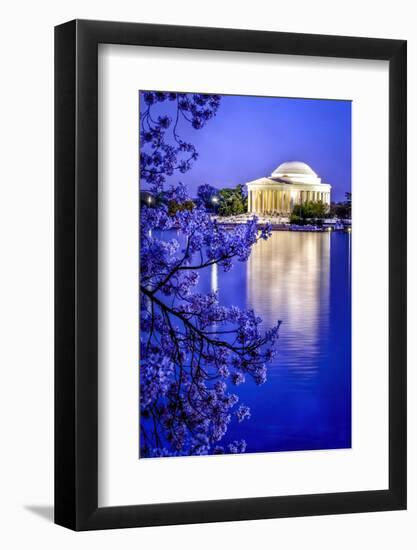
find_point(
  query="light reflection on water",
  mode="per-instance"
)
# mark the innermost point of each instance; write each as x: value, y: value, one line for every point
x: 288, y: 277
x: 214, y: 286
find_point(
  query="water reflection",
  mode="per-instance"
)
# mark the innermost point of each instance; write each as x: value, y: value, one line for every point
x: 214, y: 282
x: 288, y: 278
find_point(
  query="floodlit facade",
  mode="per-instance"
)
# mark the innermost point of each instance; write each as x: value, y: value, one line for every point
x: 290, y: 184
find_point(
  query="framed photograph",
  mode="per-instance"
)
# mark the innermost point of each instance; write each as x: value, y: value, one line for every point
x: 230, y: 252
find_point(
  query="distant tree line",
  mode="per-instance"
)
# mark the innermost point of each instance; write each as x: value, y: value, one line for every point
x: 343, y: 209
x: 232, y: 201
x: 315, y: 212
x: 229, y: 201
x: 308, y: 211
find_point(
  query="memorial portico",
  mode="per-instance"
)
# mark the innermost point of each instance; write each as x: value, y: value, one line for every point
x: 290, y: 184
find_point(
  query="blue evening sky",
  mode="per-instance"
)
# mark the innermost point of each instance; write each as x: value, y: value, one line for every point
x: 250, y: 136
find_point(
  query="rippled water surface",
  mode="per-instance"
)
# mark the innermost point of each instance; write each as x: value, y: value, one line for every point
x: 303, y: 279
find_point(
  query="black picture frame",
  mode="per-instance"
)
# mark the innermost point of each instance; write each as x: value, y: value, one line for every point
x: 76, y: 272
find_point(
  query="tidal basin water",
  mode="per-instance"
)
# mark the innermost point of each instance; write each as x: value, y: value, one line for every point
x: 304, y: 280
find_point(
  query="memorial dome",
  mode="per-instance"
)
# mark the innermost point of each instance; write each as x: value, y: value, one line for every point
x: 296, y: 171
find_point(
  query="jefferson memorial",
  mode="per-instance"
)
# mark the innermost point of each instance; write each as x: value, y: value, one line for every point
x: 290, y: 184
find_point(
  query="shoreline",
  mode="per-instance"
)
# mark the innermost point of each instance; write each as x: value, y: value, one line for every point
x: 284, y: 225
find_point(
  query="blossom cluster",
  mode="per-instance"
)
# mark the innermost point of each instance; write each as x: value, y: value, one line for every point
x: 194, y: 351
x: 162, y: 151
x: 202, y: 348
